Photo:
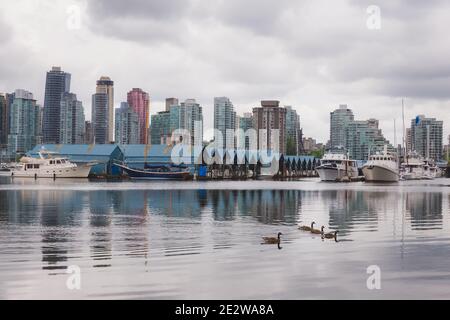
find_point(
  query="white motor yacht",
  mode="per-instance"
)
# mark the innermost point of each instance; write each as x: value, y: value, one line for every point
x: 48, y: 166
x: 337, y: 167
x: 381, y: 167
x: 413, y: 168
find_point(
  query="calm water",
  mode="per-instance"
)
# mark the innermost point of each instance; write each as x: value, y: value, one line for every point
x: 202, y: 240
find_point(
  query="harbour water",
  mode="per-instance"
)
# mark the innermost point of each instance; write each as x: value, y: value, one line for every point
x: 202, y: 240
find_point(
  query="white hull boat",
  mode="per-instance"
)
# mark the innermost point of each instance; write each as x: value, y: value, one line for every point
x: 337, y: 167
x: 49, y: 167
x: 381, y: 168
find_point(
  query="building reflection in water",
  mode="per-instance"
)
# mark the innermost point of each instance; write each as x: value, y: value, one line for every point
x: 349, y: 209
x: 119, y: 222
x: 59, y: 217
x: 425, y: 210
x: 100, y: 219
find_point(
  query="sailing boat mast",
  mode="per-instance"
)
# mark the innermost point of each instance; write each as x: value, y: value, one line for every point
x: 405, y: 154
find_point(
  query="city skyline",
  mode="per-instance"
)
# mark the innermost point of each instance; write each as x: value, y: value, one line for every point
x: 291, y: 68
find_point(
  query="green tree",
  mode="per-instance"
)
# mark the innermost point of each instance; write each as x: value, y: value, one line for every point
x: 291, y: 150
x: 317, y: 153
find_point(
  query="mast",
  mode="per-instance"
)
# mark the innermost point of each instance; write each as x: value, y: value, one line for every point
x: 405, y: 155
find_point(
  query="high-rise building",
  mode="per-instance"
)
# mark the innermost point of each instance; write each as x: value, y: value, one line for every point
x: 171, y: 102
x: 270, y: 117
x: 139, y: 101
x: 100, y: 118
x: 88, y: 133
x: 364, y: 138
x: 294, y: 135
x: 244, y: 123
x: 105, y: 88
x: 127, y: 125
x: 160, y: 132
x: 4, y: 122
x: 339, y: 119
x: 72, y: 126
x: 192, y: 120
x: 25, y: 131
x: 408, y: 140
x: 427, y: 136
x: 57, y: 82
x: 225, y: 121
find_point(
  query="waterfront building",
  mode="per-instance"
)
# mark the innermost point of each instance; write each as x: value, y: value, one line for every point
x: 244, y: 123
x: 294, y: 135
x: 25, y: 131
x: 171, y: 102
x: 427, y: 136
x: 363, y: 137
x: 57, y: 82
x: 225, y: 121
x: 270, y: 117
x: 339, y: 119
x: 127, y: 125
x: 89, y: 134
x: 160, y: 128
x: 72, y: 125
x: 139, y: 101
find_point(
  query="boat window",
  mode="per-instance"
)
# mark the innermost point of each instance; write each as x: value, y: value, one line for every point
x: 36, y: 166
x: 52, y: 162
x: 63, y: 161
x: 58, y: 162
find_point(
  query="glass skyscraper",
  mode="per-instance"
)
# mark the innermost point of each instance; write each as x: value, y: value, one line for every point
x: 72, y: 126
x: 57, y: 82
x: 160, y: 129
x: 339, y: 119
x: 225, y: 121
x: 293, y: 131
x: 127, y: 125
x: 105, y: 125
x: 100, y: 118
x: 427, y: 136
x: 25, y: 131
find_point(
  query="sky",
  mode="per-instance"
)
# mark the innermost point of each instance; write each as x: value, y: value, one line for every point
x: 312, y: 55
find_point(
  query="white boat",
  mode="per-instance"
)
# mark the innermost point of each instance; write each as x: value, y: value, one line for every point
x: 431, y: 171
x: 337, y: 167
x: 413, y: 168
x: 47, y: 166
x: 381, y: 167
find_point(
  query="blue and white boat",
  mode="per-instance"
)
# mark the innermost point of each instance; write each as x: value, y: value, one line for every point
x: 158, y: 172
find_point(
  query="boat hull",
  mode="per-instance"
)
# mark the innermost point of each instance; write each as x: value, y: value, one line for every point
x: 74, y: 172
x: 335, y: 174
x: 153, y: 175
x: 376, y: 173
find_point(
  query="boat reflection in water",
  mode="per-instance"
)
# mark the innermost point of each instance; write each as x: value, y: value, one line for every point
x: 160, y: 243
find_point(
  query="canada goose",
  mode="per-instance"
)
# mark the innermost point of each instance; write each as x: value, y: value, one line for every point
x: 306, y: 228
x: 317, y: 231
x: 331, y: 235
x: 273, y: 240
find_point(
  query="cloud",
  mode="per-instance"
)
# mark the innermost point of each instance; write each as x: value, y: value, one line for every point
x: 313, y: 55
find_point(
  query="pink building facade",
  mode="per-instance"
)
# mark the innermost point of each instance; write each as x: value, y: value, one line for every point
x: 139, y: 101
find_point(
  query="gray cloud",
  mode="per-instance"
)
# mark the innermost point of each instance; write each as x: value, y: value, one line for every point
x: 311, y: 54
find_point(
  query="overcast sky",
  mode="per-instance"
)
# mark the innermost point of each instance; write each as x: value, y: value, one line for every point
x: 313, y: 55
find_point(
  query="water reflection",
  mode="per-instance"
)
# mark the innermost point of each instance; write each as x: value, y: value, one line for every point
x: 122, y: 223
